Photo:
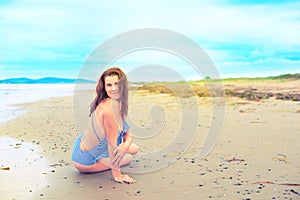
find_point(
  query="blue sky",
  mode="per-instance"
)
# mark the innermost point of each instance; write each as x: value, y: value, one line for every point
x: 243, y: 38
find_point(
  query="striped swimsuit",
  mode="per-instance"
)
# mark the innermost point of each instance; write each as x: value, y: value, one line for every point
x: 92, y: 155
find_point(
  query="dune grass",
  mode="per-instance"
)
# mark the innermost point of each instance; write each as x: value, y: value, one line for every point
x: 249, y: 88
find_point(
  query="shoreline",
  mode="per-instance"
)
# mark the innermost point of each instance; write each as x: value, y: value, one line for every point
x: 252, y: 89
x: 256, y: 153
x: 14, y: 95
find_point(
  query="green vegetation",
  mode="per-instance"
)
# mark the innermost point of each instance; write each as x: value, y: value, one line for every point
x: 207, y: 79
x: 200, y: 88
x: 280, y: 77
x: 286, y: 76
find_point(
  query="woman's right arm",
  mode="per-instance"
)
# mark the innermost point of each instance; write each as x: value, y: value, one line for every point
x: 111, y: 132
x: 110, y: 111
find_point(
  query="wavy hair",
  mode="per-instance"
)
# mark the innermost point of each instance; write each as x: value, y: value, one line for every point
x: 101, y: 93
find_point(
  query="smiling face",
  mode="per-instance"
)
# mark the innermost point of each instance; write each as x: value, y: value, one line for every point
x: 112, y: 86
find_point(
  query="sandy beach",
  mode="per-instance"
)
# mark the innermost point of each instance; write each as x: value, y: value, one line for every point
x: 256, y: 156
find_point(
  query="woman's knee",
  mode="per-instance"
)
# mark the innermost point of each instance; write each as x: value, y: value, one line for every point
x: 134, y: 149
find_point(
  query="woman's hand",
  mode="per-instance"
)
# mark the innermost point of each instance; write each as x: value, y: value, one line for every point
x: 124, y: 178
x: 119, y: 154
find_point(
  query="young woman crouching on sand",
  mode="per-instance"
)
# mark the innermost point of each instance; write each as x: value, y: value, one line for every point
x: 107, y: 142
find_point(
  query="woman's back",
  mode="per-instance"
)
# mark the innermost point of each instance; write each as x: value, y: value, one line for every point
x: 107, y: 110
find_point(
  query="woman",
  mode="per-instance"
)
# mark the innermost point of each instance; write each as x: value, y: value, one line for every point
x: 107, y: 142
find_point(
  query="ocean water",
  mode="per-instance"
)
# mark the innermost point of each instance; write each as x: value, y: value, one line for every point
x: 12, y: 94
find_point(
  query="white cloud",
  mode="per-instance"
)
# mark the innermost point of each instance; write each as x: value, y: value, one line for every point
x: 259, y: 68
x: 43, y: 30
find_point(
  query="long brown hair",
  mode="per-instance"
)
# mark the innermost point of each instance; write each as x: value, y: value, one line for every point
x: 101, y: 93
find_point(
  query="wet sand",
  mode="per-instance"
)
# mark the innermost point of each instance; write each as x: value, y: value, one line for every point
x: 256, y: 157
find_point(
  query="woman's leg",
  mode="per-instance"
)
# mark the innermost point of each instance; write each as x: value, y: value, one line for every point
x: 104, y: 163
x: 91, y: 168
x: 133, y: 149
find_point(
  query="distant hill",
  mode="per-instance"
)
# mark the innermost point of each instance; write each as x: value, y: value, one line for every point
x: 46, y: 80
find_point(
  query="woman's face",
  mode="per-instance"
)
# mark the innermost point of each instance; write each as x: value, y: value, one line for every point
x: 112, y: 86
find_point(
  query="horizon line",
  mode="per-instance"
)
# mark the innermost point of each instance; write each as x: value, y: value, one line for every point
x: 297, y: 75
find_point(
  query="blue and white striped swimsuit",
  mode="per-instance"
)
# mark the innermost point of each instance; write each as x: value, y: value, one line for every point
x: 91, y: 156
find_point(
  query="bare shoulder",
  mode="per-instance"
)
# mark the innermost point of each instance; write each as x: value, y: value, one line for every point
x: 102, y: 108
x: 107, y: 106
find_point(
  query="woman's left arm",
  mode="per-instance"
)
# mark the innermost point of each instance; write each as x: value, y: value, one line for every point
x: 127, y: 140
x: 123, y: 148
